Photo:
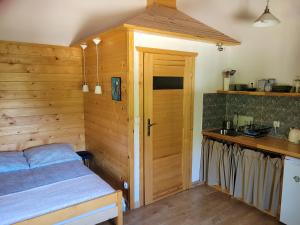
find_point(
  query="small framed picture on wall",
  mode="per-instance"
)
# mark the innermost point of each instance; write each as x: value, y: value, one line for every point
x: 116, y: 88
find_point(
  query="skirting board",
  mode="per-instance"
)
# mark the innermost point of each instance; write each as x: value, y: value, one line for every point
x: 197, y: 183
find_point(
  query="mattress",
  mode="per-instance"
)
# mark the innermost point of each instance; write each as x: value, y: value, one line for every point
x: 30, y: 193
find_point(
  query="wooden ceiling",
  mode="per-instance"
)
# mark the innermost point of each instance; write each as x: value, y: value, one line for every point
x: 162, y: 17
x: 168, y: 20
x: 168, y: 3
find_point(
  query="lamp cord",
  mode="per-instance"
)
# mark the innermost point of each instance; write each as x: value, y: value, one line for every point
x: 84, y: 72
x: 97, y: 63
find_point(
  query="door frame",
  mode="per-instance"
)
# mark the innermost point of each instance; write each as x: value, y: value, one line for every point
x: 188, y: 155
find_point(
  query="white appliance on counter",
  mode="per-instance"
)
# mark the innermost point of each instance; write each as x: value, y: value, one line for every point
x: 294, y: 135
x: 290, y: 202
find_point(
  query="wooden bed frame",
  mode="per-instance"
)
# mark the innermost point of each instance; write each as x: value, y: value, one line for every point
x: 79, y: 209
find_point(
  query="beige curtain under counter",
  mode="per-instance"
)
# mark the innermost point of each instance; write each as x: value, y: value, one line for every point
x: 234, y: 164
x: 249, y: 177
x: 214, y: 162
x: 204, y: 159
x: 225, y: 167
x: 272, y: 185
x: 246, y: 174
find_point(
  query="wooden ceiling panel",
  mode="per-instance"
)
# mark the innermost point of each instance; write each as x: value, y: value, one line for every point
x: 170, y: 20
x: 168, y: 3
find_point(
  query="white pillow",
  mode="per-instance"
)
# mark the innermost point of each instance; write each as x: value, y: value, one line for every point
x: 12, y: 161
x: 50, y: 154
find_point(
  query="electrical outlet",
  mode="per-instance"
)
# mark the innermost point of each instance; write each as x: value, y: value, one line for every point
x: 125, y: 185
x: 242, y: 120
x: 276, y: 124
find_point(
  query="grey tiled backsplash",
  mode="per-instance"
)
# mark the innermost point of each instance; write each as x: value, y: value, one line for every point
x: 214, y: 110
x: 264, y: 109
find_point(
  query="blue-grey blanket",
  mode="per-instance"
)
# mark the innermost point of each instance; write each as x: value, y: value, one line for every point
x: 31, y: 193
x: 26, y: 179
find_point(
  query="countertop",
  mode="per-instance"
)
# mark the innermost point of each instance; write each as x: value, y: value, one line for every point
x: 269, y: 144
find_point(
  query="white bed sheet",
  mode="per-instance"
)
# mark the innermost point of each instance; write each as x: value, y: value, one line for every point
x: 27, y: 204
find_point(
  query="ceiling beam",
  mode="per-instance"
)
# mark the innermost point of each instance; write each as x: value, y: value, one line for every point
x: 168, y: 3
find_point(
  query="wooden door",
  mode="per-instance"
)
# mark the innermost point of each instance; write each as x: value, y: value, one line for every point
x: 168, y: 117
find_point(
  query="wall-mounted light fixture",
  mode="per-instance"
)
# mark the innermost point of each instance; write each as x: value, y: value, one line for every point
x: 85, y: 86
x: 98, y: 89
x: 267, y: 19
x: 220, y: 47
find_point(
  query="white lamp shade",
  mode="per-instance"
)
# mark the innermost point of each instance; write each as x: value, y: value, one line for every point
x: 83, y: 46
x: 85, y: 87
x: 96, y: 41
x: 267, y: 19
x: 98, y: 89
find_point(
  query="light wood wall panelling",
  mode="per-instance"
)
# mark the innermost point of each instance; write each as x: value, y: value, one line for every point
x: 40, y: 96
x: 23, y: 77
x: 28, y: 49
x: 107, y: 121
x: 131, y: 91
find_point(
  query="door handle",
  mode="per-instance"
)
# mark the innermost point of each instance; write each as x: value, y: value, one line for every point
x: 149, y: 125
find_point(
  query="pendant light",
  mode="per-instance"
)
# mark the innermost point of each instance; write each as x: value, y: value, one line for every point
x: 98, y: 89
x: 220, y: 47
x: 267, y: 19
x: 85, y: 86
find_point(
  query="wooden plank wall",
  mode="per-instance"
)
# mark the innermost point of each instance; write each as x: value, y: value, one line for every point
x: 107, y: 121
x: 40, y: 97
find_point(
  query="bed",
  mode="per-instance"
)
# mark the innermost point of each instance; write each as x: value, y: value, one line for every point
x: 35, y: 190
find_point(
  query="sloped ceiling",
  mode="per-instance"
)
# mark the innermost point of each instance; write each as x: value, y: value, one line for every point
x: 63, y: 22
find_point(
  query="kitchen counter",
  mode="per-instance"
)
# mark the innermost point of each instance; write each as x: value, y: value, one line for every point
x: 269, y: 144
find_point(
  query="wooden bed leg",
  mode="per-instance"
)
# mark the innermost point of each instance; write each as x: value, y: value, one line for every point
x: 119, y: 219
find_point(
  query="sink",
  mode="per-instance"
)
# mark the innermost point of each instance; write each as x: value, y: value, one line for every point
x: 230, y: 132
